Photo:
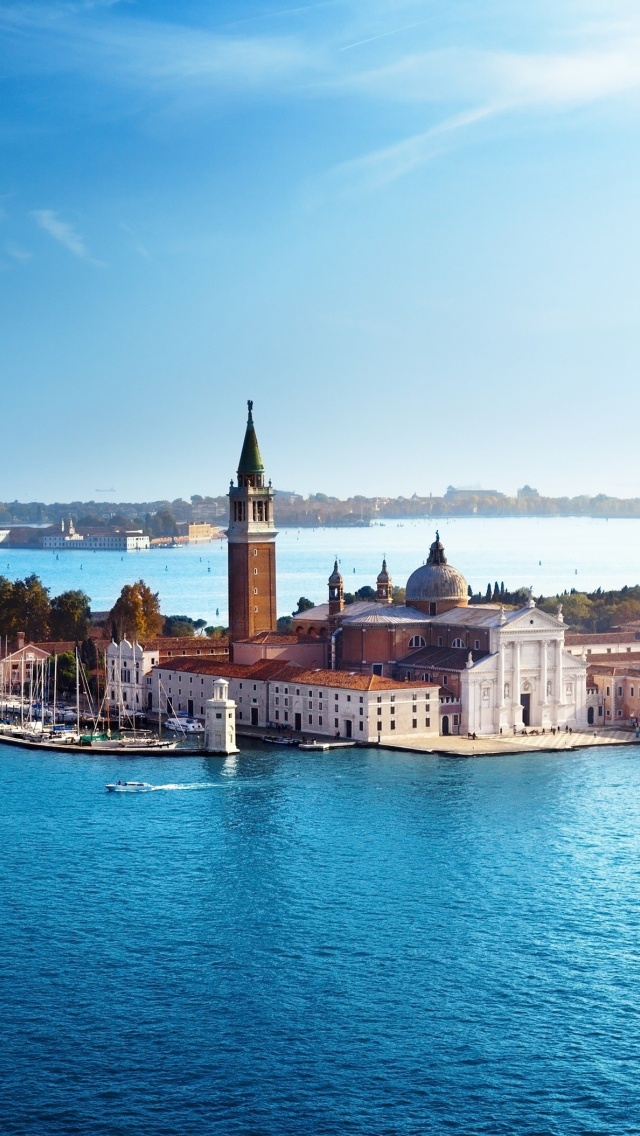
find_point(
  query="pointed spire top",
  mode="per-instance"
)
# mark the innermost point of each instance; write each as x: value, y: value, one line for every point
x: 250, y: 458
x: 335, y: 576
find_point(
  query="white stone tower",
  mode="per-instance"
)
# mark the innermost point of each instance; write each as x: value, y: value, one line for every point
x: 220, y: 720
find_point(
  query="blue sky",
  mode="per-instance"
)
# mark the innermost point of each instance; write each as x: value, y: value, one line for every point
x: 409, y: 231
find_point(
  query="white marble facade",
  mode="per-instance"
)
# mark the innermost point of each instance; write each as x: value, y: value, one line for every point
x: 528, y: 680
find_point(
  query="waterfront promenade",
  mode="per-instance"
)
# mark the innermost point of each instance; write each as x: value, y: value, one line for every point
x: 497, y: 744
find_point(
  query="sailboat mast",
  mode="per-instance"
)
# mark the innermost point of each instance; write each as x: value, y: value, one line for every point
x: 77, y: 692
x: 55, y: 689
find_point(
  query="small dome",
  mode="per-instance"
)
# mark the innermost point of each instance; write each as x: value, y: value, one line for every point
x: 436, y: 581
x: 335, y: 577
x: 383, y: 577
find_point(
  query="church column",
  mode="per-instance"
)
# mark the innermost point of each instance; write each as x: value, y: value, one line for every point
x: 516, y: 674
x: 559, y: 674
x: 501, y: 673
x: 543, y: 671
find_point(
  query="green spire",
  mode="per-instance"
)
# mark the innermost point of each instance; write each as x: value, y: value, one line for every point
x: 250, y: 458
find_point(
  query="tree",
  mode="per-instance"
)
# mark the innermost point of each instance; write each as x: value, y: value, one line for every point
x: 303, y: 605
x: 66, y: 673
x: 284, y: 624
x: 162, y: 523
x: 136, y: 613
x: 366, y: 593
x: 70, y: 613
x: 31, y: 608
x: 398, y: 595
x: 489, y: 593
x: 217, y: 632
x: 177, y: 625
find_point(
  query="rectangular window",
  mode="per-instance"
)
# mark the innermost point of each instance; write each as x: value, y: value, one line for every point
x: 393, y: 725
x: 414, y: 724
x: 336, y: 697
x: 379, y: 726
x: 393, y: 709
x: 439, y: 640
x: 379, y: 711
x: 286, y: 715
x: 240, y: 714
x: 361, y: 711
x: 336, y: 722
x: 427, y: 721
x: 320, y: 720
x: 361, y: 725
x: 297, y: 691
x: 361, y: 698
x: 379, y: 698
x: 455, y: 719
x: 619, y: 691
x: 445, y: 680
x: 311, y: 719
x: 277, y: 700
x: 277, y: 715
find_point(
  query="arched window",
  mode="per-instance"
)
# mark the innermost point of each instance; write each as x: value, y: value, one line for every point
x: 417, y: 641
x: 457, y: 643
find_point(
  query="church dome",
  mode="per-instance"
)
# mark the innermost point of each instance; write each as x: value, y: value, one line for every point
x: 436, y: 581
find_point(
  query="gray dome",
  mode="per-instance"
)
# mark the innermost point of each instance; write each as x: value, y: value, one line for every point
x: 436, y: 580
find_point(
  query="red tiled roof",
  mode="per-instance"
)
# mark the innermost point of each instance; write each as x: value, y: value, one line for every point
x: 578, y: 638
x: 274, y: 670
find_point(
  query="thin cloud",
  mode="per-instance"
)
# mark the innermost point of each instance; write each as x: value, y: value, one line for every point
x: 61, y: 231
x: 391, y: 162
x: 16, y: 252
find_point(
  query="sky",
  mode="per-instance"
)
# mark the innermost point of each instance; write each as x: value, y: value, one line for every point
x: 408, y: 230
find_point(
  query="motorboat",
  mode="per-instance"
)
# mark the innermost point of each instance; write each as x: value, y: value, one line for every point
x: 128, y: 787
x: 274, y: 739
x: 326, y: 745
x: 184, y: 726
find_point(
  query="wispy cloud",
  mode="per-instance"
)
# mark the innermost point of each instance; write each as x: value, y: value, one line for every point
x: 16, y: 252
x: 391, y: 162
x: 61, y: 231
x: 151, y: 54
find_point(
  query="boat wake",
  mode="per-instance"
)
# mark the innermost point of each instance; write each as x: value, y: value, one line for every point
x: 195, y: 785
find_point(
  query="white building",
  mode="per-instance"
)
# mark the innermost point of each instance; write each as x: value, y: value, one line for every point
x: 220, y: 720
x: 528, y: 679
x: 107, y: 540
x: 271, y: 695
x: 127, y: 665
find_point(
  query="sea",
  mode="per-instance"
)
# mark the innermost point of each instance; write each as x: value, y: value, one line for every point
x: 360, y: 942
x: 550, y: 555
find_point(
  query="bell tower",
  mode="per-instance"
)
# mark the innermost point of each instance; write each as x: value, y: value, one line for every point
x: 252, y: 547
x: 336, y: 591
x: 384, y: 585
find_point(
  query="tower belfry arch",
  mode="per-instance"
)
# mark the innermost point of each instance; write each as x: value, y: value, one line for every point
x: 251, y: 544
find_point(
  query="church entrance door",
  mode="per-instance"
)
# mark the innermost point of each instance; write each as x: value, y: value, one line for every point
x: 590, y: 715
x: 297, y: 722
x: 525, y: 700
x: 347, y: 728
x: 445, y: 725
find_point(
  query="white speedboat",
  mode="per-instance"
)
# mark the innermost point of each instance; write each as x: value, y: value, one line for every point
x: 184, y: 725
x: 128, y: 787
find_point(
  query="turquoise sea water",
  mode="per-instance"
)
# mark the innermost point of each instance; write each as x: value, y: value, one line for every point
x: 357, y: 942
x: 551, y: 554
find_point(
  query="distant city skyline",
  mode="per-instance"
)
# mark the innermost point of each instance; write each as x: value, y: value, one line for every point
x: 408, y: 231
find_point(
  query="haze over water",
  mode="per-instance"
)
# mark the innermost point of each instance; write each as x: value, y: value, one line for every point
x: 359, y: 942
x: 552, y: 554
